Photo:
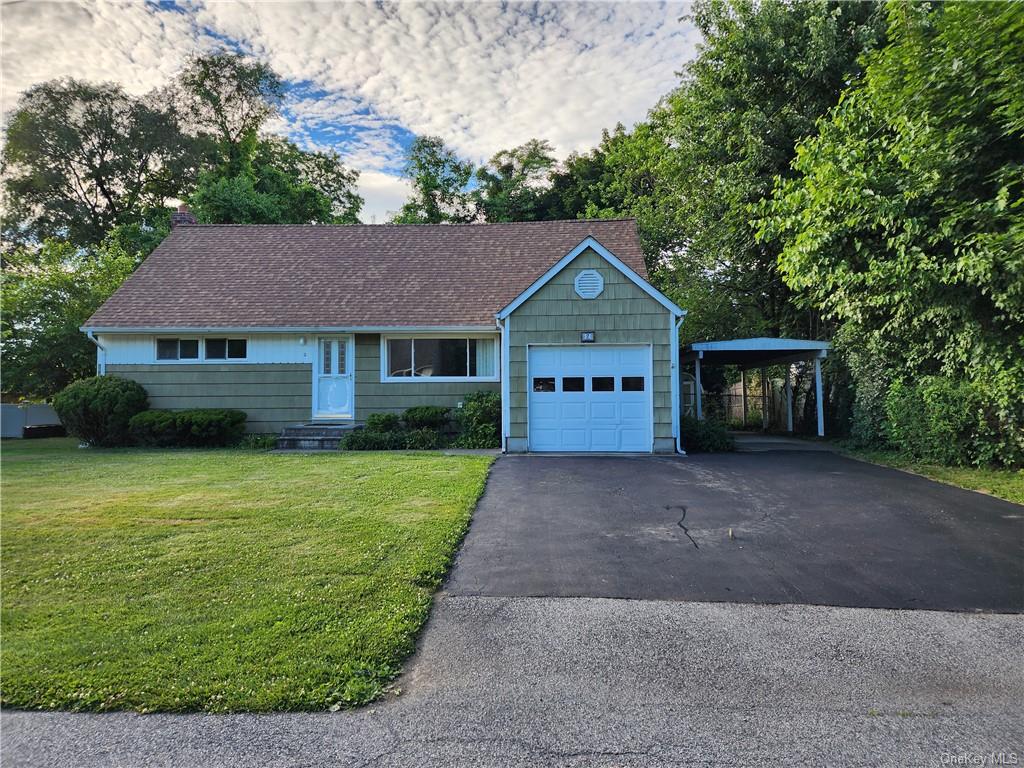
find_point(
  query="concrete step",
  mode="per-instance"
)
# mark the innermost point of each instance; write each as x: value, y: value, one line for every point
x: 314, y: 437
x: 308, y: 443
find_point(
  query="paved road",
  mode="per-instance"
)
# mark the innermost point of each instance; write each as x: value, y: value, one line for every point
x: 810, y: 528
x: 590, y: 681
x: 598, y: 682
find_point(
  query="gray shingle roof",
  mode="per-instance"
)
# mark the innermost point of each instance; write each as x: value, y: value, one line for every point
x: 348, y: 276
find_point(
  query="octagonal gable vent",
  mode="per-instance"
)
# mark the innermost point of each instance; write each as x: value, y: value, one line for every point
x: 589, y: 284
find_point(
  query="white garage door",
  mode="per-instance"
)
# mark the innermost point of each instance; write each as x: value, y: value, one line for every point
x: 589, y: 398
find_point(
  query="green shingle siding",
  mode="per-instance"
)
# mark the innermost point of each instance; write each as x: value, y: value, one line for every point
x: 622, y: 314
x: 272, y: 395
x: 375, y: 396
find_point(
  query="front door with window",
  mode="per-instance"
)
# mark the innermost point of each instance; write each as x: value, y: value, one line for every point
x: 334, y: 385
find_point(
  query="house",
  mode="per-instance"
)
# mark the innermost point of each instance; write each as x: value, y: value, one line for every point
x: 327, y: 324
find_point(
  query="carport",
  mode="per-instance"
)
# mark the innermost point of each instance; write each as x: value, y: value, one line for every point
x: 761, y: 353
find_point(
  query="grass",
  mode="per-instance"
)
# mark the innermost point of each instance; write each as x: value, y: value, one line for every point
x: 1005, y: 483
x: 219, y: 580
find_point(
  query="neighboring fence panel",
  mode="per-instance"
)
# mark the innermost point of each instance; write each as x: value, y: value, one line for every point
x: 14, y: 419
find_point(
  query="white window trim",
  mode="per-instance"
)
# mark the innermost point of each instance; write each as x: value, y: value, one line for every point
x: 386, y: 379
x: 202, y: 359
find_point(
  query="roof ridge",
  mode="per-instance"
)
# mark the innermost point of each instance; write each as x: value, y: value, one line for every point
x: 459, y: 225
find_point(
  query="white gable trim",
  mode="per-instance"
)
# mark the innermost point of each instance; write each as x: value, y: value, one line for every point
x: 608, y: 256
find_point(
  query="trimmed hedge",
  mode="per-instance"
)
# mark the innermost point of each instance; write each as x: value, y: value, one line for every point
x: 195, y: 428
x: 371, y: 440
x: 383, y: 422
x: 703, y: 436
x: 98, y: 410
x: 426, y: 417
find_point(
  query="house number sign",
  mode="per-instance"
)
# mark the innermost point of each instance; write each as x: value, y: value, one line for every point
x: 586, y: 337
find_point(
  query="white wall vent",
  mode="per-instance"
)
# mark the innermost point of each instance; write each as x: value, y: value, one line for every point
x: 589, y: 284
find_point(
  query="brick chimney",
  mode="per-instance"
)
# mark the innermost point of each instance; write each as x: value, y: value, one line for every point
x: 182, y: 216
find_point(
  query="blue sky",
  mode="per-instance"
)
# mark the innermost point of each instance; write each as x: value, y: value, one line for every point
x: 364, y: 78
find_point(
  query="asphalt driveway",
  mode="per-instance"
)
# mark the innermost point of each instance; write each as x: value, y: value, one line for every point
x: 806, y: 527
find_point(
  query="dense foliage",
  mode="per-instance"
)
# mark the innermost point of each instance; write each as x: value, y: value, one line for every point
x: 193, y: 428
x: 904, y: 223
x: 479, y: 421
x: 705, y: 436
x: 98, y: 410
x: 426, y: 417
x: 48, y: 293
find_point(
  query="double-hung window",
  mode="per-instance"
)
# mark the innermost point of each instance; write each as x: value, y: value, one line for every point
x: 457, y: 358
x: 177, y: 349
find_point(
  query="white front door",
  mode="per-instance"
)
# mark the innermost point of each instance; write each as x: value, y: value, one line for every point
x: 590, y: 398
x: 334, y: 383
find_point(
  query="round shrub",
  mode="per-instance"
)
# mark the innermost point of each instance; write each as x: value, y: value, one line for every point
x: 383, y: 422
x: 97, y: 410
x: 703, y: 436
x: 426, y: 417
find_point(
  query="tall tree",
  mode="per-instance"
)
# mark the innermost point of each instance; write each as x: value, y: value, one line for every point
x: 81, y: 158
x: 228, y: 96
x: 512, y: 185
x: 271, y: 181
x: 904, y: 218
x: 48, y: 292
x: 440, y: 182
x: 765, y: 73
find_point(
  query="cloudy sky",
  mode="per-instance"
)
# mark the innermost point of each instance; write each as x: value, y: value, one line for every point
x: 364, y: 78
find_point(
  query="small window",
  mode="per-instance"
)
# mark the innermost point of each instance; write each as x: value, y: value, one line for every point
x: 572, y: 384
x: 237, y: 349
x: 216, y: 349
x: 632, y: 383
x: 177, y: 349
x: 544, y: 384
x: 226, y: 349
x: 188, y: 349
x: 602, y: 384
x: 166, y: 349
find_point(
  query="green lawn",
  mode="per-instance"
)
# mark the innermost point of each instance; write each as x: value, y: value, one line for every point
x: 219, y: 580
x: 1005, y: 483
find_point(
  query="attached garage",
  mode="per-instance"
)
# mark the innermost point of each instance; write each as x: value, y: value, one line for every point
x: 590, y: 398
x: 590, y: 360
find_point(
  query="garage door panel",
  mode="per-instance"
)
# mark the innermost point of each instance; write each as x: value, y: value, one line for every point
x: 639, y: 411
x: 617, y: 417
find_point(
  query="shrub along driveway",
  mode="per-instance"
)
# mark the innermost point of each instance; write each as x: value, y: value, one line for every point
x: 807, y: 527
x: 219, y: 580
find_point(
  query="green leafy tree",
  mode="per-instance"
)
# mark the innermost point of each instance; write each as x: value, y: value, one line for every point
x: 48, y: 293
x: 271, y: 181
x: 903, y: 218
x: 765, y: 73
x: 512, y: 185
x: 228, y: 97
x: 440, y: 182
x: 81, y: 158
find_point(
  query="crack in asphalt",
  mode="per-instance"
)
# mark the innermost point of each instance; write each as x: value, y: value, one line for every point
x: 682, y: 525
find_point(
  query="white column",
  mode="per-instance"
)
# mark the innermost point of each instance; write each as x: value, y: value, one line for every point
x: 817, y: 397
x: 743, y: 385
x: 700, y: 409
x: 789, y: 398
x: 766, y: 391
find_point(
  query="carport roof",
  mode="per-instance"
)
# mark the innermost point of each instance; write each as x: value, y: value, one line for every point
x: 754, y: 353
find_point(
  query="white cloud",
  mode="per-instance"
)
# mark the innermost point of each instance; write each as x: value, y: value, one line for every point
x: 384, y: 195
x: 483, y: 76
